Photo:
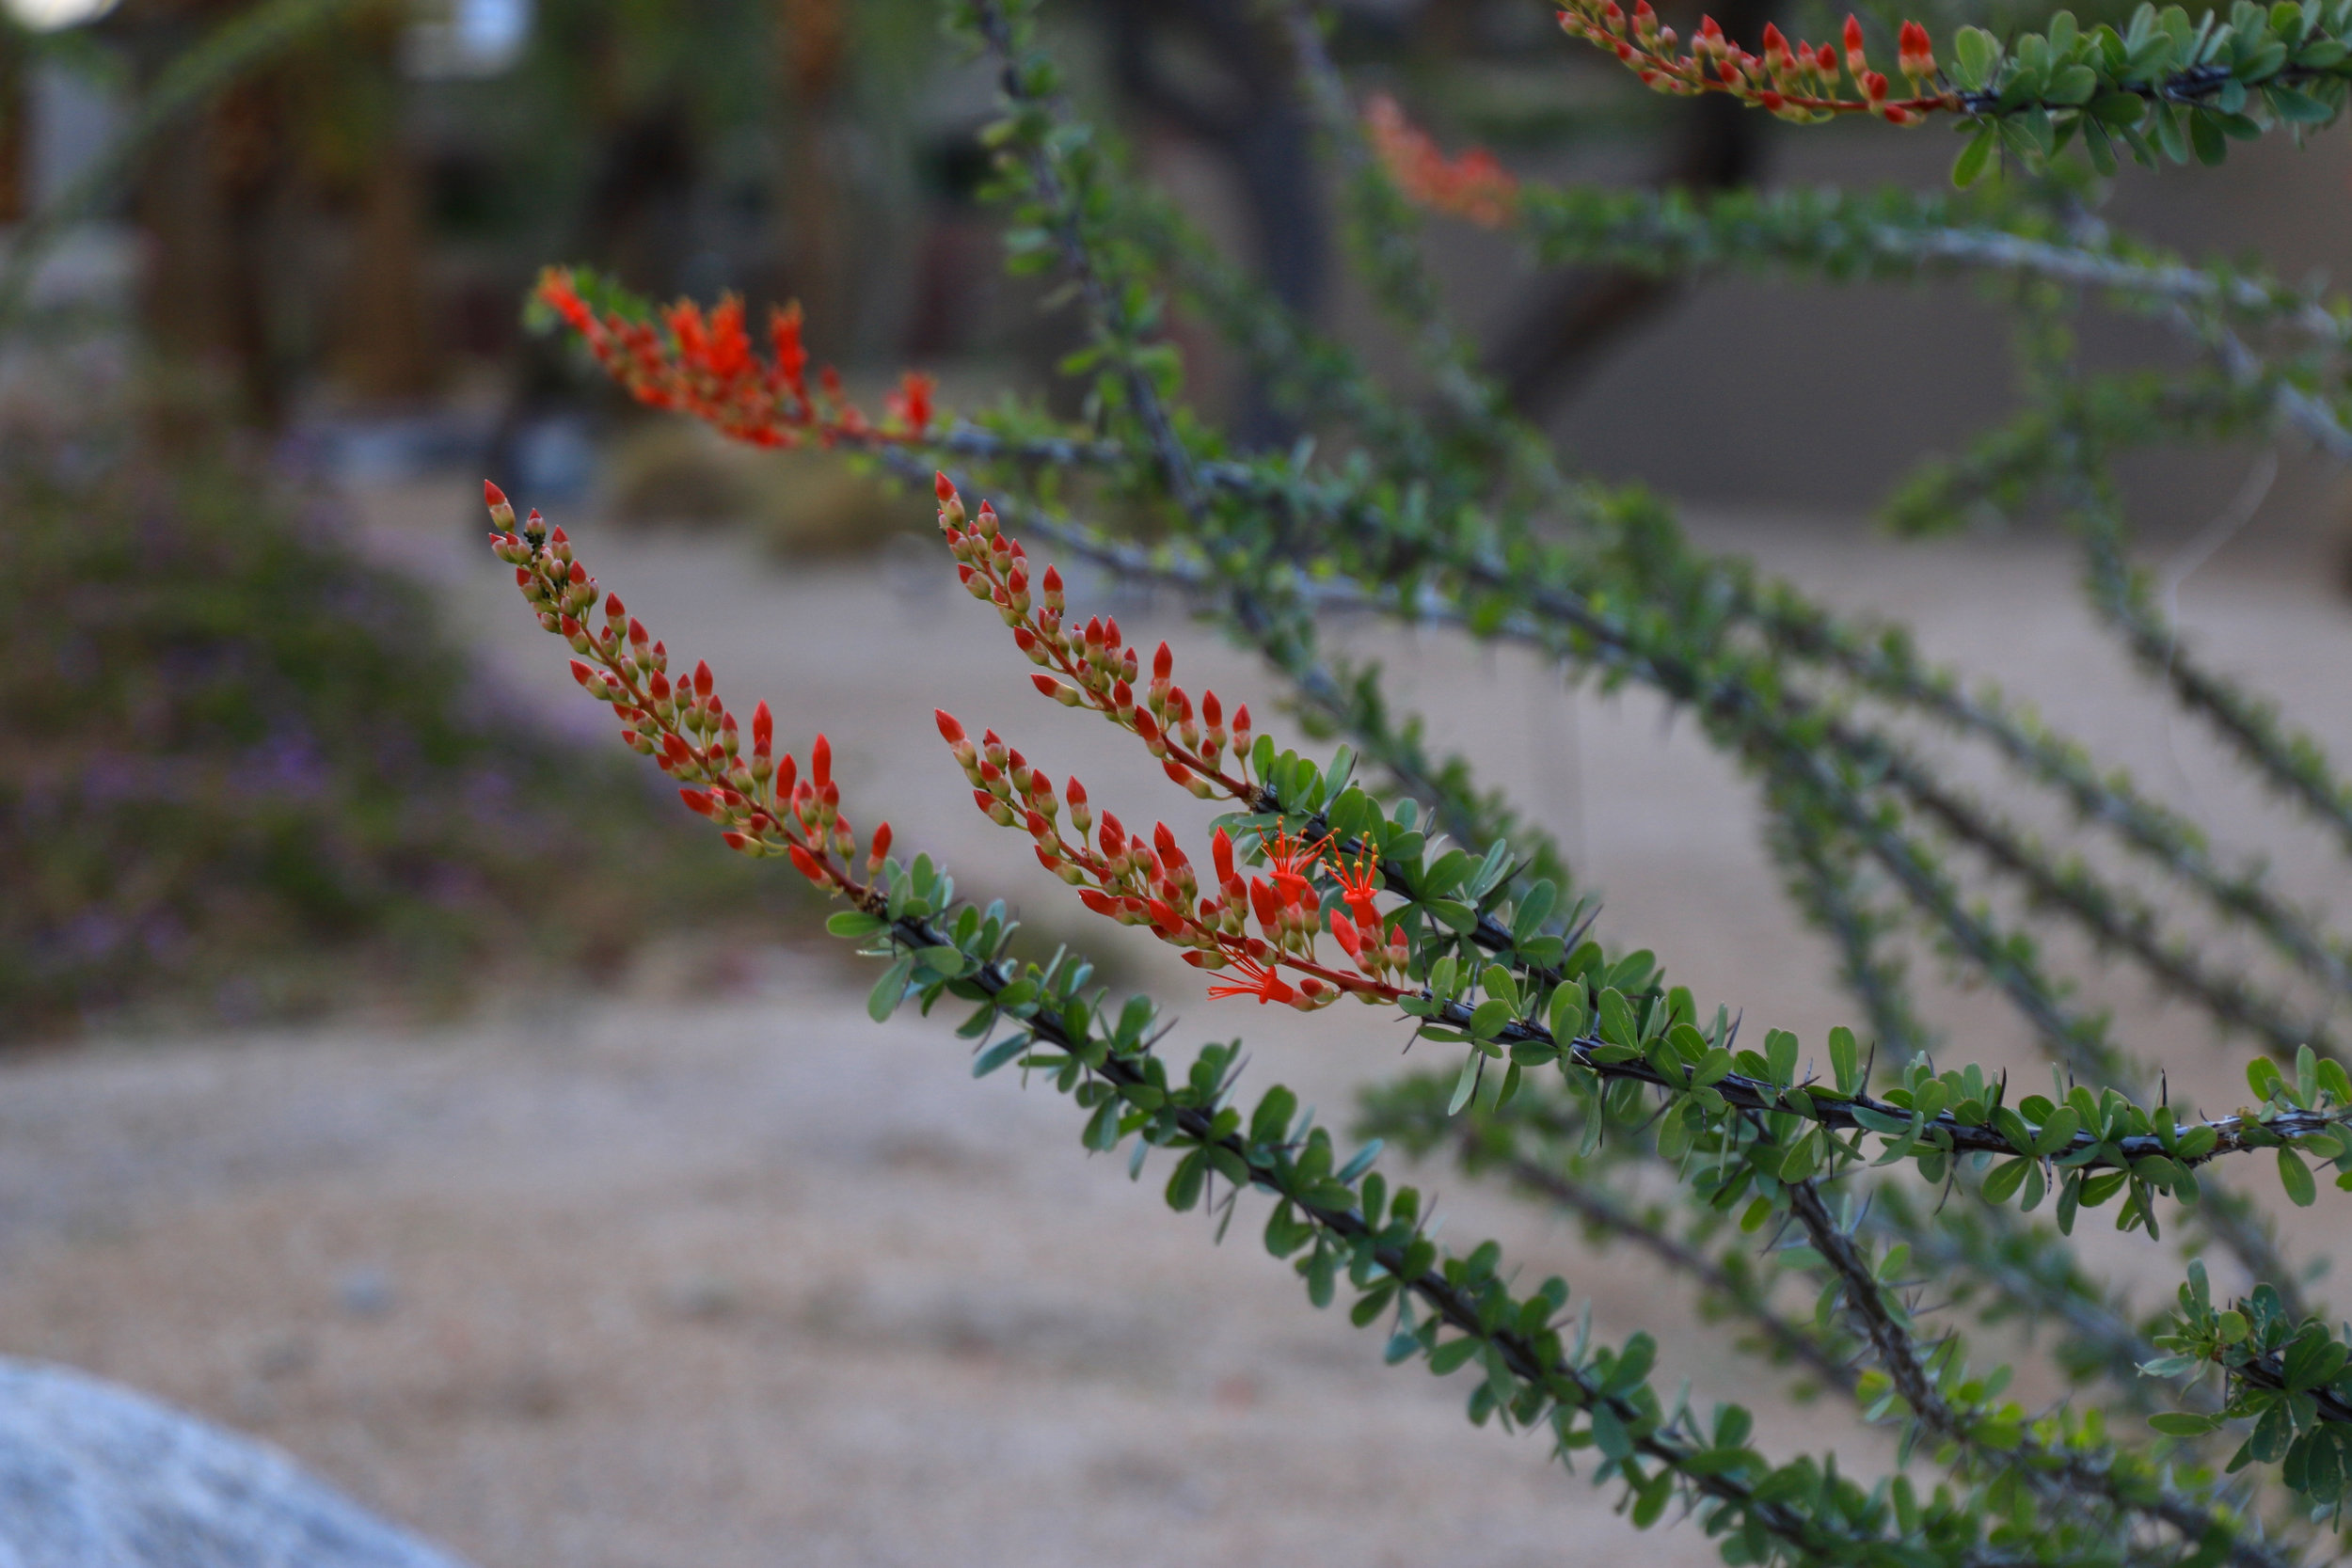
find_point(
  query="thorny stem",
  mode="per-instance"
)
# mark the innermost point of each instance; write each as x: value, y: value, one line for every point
x: 2052, y: 1472
x: 1599, y: 1210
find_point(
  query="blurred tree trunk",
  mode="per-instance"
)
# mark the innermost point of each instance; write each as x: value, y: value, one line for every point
x: 16, y: 131
x: 1580, y: 314
x: 383, y: 344
x: 201, y: 201
x: 1234, y: 95
x: 815, y: 39
x: 224, y: 206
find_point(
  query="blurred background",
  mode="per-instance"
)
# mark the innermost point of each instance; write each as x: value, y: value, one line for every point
x: 392, y: 1072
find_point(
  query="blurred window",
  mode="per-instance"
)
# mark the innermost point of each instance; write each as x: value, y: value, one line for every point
x: 47, y: 16
x: 456, y: 38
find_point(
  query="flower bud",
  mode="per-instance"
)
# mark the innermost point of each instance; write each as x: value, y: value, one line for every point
x: 820, y: 763
x: 1067, y: 695
x: 501, y: 510
x: 1915, y: 53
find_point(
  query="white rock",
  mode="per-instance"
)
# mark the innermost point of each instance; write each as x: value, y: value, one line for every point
x: 96, y: 1475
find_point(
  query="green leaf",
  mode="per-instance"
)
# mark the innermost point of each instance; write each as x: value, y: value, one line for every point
x: 2206, y: 139
x: 1800, y: 1160
x: 998, y: 1054
x: 1974, y: 159
x: 1845, y: 1060
x: 1974, y: 53
x: 2121, y: 110
x: 1271, y: 1123
x: 2005, y: 1179
x: 889, y: 991
x: 1651, y: 1501
x: 1185, y: 1182
x: 854, y: 923
x: 1567, y: 1011
x: 1487, y: 1019
x: 2184, y: 1424
x: 1452, y: 1354
x: 1616, y: 1019
x: 2058, y: 1131
x: 2075, y: 84
x: 2296, y: 1177
x: 1465, y: 1083
x: 1632, y: 1366
x: 1456, y: 916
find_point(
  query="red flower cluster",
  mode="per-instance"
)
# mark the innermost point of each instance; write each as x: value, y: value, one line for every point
x: 703, y: 364
x: 1121, y: 875
x: 1798, y: 81
x: 763, y: 803
x: 1474, y: 186
x: 1153, y: 883
x: 1262, y: 930
x: 1086, y: 666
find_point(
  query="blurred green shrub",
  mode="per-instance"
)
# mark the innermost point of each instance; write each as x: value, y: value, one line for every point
x: 242, y: 773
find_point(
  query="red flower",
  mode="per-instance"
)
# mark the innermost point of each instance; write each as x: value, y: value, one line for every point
x: 1292, y: 860
x: 1357, y: 883
x: 1261, y: 982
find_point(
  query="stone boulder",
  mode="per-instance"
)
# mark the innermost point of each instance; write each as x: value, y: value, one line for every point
x: 96, y: 1475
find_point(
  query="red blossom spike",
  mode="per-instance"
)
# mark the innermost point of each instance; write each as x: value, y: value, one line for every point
x: 1221, y: 847
x: 1163, y: 663
x: 950, y: 730
x: 821, y: 762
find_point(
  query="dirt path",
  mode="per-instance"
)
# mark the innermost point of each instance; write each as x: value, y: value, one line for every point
x: 637, y: 1281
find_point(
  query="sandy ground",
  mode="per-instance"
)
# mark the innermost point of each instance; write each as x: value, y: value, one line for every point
x: 644, y: 1278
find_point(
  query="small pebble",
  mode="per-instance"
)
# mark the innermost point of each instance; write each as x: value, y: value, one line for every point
x: 365, y: 1292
